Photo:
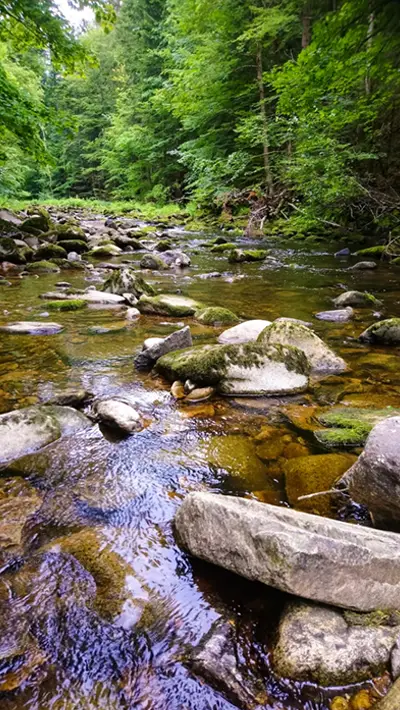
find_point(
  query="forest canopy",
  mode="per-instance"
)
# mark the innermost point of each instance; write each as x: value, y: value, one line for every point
x: 289, y: 106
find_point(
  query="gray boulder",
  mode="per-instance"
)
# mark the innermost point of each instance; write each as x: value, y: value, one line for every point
x: 31, y: 328
x: 244, y: 332
x: 338, y: 316
x: 320, y: 357
x: 385, y: 332
x: 318, y: 644
x: 93, y: 296
x: 247, y: 369
x: 118, y: 413
x: 24, y: 431
x: 176, y: 258
x: 312, y: 557
x: 364, y: 266
x: 178, y: 340
x: 127, y: 281
x: 168, y: 305
x: 357, y: 299
x: 374, y: 480
x: 153, y: 263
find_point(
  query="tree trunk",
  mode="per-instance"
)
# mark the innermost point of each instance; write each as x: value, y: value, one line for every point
x: 306, y: 21
x: 264, y: 118
x: 371, y: 27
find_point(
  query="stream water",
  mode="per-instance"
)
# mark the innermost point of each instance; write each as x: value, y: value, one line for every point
x: 126, y: 491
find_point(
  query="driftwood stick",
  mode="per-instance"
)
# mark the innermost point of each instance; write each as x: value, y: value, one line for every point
x: 332, y: 491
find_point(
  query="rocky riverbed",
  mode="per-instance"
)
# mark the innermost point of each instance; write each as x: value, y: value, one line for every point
x: 170, y: 404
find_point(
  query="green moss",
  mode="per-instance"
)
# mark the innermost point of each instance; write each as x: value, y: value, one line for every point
x: 386, y: 332
x: 168, y: 305
x: 42, y: 267
x: 238, y: 256
x: 69, y: 230
x: 153, y: 262
x: 385, y: 617
x: 77, y: 245
x: 220, y: 248
x: 72, y: 305
x: 372, y: 251
x: 49, y: 251
x: 217, y: 316
x: 66, y: 265
x: 343, y: 438
x: 162, y: 245
x: 348, y: 417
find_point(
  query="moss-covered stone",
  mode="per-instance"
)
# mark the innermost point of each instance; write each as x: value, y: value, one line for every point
x: 357, y: 299
x: 77, y: 245
x: 312, y: 474
x: 43, y: 267
x: 69, y: 230
x: 104, y: 251
x: 10, y: 252
x: 350, y: 426
x: 49, y: 251
x: 153, y: 263
x: 237, y: 455
x: 163, y: 245
x: 238, y: 256
x: 66, y: 265
x: 220, y: 248
x: 127, y: 281
x: 39, y: 222
x: 74, y: 305
x: 385, y: 332
x: 168, y: 305
x: 372, y: 251
x: 217, y: 316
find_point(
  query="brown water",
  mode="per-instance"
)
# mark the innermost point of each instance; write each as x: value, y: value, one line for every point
x: 127, y: 491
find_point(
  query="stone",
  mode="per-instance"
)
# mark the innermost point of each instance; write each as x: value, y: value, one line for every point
x: 49, y: 251
x: 153, y: 263
x: 9, y: 251
x: 238, y: 256
x: 312, y: 474
x: 357, y: 299
x: 97, y: 297
x: 221, y: 248
x: 200, y: 394
x: 118, y: 413
x: 244, y: 332
x: 72, y: 398
x: 343, y: 252
x: 216, y: 316
x: 104, y: 250
x: 319, y: 355
x: 163, y: 245
x: 24, y: 431
x: 392, y: 700
x: 168, y: 305
x: 317, y: 644
x: 69, y: 305
x: 127, y: 281
x: 15, y: 511
x: 374, y: 480
x: 42, y: 267
x: 132, y: 314
x: 322, y: 560
x: 216, y: 659
x: 239, y: 370
x: 70, y: 231
x: 151, y: 352
x: 31, y: 328
x: 37, y: 222
x: 385, y: 332
x: 350, y: 426
x: 237, y: 455
x: 364, y: 266
x: 74, y: 245
x: 339, y: 316
x: 9, y: 221
x: 178, y: 390
x: 176, y: 258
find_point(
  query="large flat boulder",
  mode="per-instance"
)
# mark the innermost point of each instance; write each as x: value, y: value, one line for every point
x: 248, y: 369
x: 100, y: 297
x: 168, y: 305
x: 319, y: 355
x: 374, y: 480
x: 309, y: 556
x: 31, y: 328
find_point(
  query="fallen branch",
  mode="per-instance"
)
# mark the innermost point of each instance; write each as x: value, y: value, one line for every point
x: 332, y: 491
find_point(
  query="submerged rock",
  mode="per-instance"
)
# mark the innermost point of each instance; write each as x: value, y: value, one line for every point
x: 385, y: 332
x: 312, y: 474
x: 349, y: 426
x: 244, y: 369
x: 238, y: 256
x: 312, y: 557
x: 169, y: 305
x: 374, y: 480
x: 16, y: 507
x: 216, y: 316
x: 244, y: 332
x: 364, y: 266
x: 127, y: 281
x: 320, y: 357
x: 98, y: 297
x: 24, y: 431
x: 357, y: 299
x: 392, y: 700
x: 176, y: 258
x: 153, y: 263
x: 339, y: 316
x: 318, y: 644
x: 31, y: 328
x: 178, y: 340
x: 119, y: 414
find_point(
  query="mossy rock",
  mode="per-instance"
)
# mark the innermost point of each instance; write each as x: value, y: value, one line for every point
x: 69, y: 230
x: 39, y: 222
x: 106, y: 250
x: 162, y: 245
x: 168, y: 305
x: 153, y: 263
x: 313, y: 474
x: 377, y: 251
x: 127, y: 281
x: 10, y: 252
x: 238, y: 256
x: 385, y: 332
x: 349, y: 427
x: 74, y: 305
x: 77, y: 245
x: 217, y: 316
x: 236, y: 454
x: 220, y: 248
x: 357, y: 299
x: 42, y: 267
x: 66, y: 265
x: 219, y: 240
x: 49, y: 251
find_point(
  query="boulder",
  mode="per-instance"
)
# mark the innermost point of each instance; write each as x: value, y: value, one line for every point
x: 9, y: 251
x: 178, y: 340
x: 339, y: 316
x: 349, y: 426
x: 238, y: 256
x: 176, y: 258
x: 36, y: 223
x: 168, y: 305
x: 76, y: 398
x: 220, y: 248
x: 73, y: 245
x: 163, y: 245
x: 118, y: 413
x: 9, y: 221
x: 69, y: 232
x: 49, y: 251
x: 245, y: 369
x: 216, y: 316
x: 364, y: 266
x: 357, y: 299
x: 306, y: 555
x: 385, y: 332
x: 104, y: 250
x: 98, y: 297
x: 320, y: 357
x: 31, y: 328
x: 312, y: 474
x: 374, y: 480
x: 153, y: 263
x: 318, y: 644
x: 42, y: 267
x: 24, y: 431
x: 243, y: 333
x: 127, y: 281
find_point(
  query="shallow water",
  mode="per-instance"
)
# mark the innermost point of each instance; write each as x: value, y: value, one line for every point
x: 127, y: 491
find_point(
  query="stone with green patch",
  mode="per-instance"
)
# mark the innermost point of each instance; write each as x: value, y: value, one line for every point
x: 168, y: 305
x: 385, y: 332
x: 214, y: 315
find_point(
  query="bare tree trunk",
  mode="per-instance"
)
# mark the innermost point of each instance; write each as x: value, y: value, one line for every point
x: 267, y: 163
x: 306, y: 21
x: 371, y: 27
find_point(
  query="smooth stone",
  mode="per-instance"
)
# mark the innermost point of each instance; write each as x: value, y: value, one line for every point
x: 319, y: 355
x: 364, y: 266
x: 178, y: 390
x: 119, y: 414
x: 339, y: 316
x: 286, y: 319
x: 357, y: 299
x: 132, y: 314
x: 92, y: 296
x: 317, y: 644
x: 374, y: 480
x: 239, y: 370
x: 25, y: 431
x: 244, y: 332
x: 153, y: 262
x: 72, y: 398
x: 343, y: 252
x: 15, y: 511
x: 385, y: 332
x: 126, y: 280
x: 154, y: 348
x: 306, y: 555
x: 176, y: 258
x: 168, y: 305
x: 200, y: 394
x: 31, y: 328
